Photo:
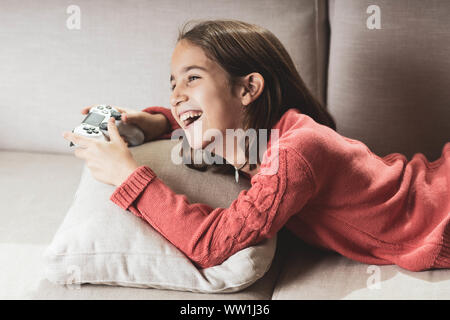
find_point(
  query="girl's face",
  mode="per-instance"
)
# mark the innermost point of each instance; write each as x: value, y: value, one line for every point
x: 201, y: 84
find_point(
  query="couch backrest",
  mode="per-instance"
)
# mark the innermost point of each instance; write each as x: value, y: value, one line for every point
x: 120, y: 56
x: 390, y: 87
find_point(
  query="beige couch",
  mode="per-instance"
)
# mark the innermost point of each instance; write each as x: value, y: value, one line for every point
x: 387, y: 87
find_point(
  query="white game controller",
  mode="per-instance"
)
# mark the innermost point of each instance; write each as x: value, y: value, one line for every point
x: 95, y: 126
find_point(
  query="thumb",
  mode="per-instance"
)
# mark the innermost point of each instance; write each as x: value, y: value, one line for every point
x: 125, y: 117
x: 129, y: 118
x: 114, y: 134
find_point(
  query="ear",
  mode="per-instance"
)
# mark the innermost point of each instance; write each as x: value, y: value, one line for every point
x: 252, y: 85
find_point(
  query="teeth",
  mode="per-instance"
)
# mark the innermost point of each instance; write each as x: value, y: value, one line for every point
x: 190, y: 114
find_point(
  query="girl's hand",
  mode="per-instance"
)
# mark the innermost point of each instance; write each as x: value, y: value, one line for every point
x: 152, y: 125
x: 111, y: 161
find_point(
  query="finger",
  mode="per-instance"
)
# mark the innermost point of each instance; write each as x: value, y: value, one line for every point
x: 80, y: 153
x: 130, y: 118
x: 125, y: 117
x: 85, y: 110
x: 77, y: 139
x: 121, y: 110
x: 114, y: 134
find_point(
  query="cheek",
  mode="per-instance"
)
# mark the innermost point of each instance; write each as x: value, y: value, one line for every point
x: 218, y: 120
x: 223, y: 115
x: 222, y: 111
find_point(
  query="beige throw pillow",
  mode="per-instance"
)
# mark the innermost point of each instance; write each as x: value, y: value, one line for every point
x: 100, y: 243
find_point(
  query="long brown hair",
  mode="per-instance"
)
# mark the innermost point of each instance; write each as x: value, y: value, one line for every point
x: 241, y: 48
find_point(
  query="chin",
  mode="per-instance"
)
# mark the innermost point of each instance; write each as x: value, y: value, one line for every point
x: 197, y: 144
x: 194, y: 136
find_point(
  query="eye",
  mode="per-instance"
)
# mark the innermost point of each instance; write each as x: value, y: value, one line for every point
x: 192, y: 78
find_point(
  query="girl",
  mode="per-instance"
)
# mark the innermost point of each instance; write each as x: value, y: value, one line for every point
x: 329, y: 190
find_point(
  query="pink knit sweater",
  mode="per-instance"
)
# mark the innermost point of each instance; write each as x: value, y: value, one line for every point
x: 329, y: 190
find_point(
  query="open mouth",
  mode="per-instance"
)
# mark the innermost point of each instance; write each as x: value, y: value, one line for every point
x: 190, y: 117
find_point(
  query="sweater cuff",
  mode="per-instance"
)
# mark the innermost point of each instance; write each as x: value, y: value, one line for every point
x: 132, y: 187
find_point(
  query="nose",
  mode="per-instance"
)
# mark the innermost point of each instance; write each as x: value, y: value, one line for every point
x: 177, y: 97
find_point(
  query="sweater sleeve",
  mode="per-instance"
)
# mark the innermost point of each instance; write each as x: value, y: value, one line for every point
x: 208, y: 236
x: 168, y: 114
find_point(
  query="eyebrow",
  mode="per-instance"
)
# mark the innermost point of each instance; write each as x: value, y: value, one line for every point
x: 186, y: 69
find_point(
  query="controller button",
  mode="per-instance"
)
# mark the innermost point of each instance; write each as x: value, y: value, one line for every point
x: 104, y: 126
x: 108, y: 107
x: 100, y: 107
x: 105, y: 112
